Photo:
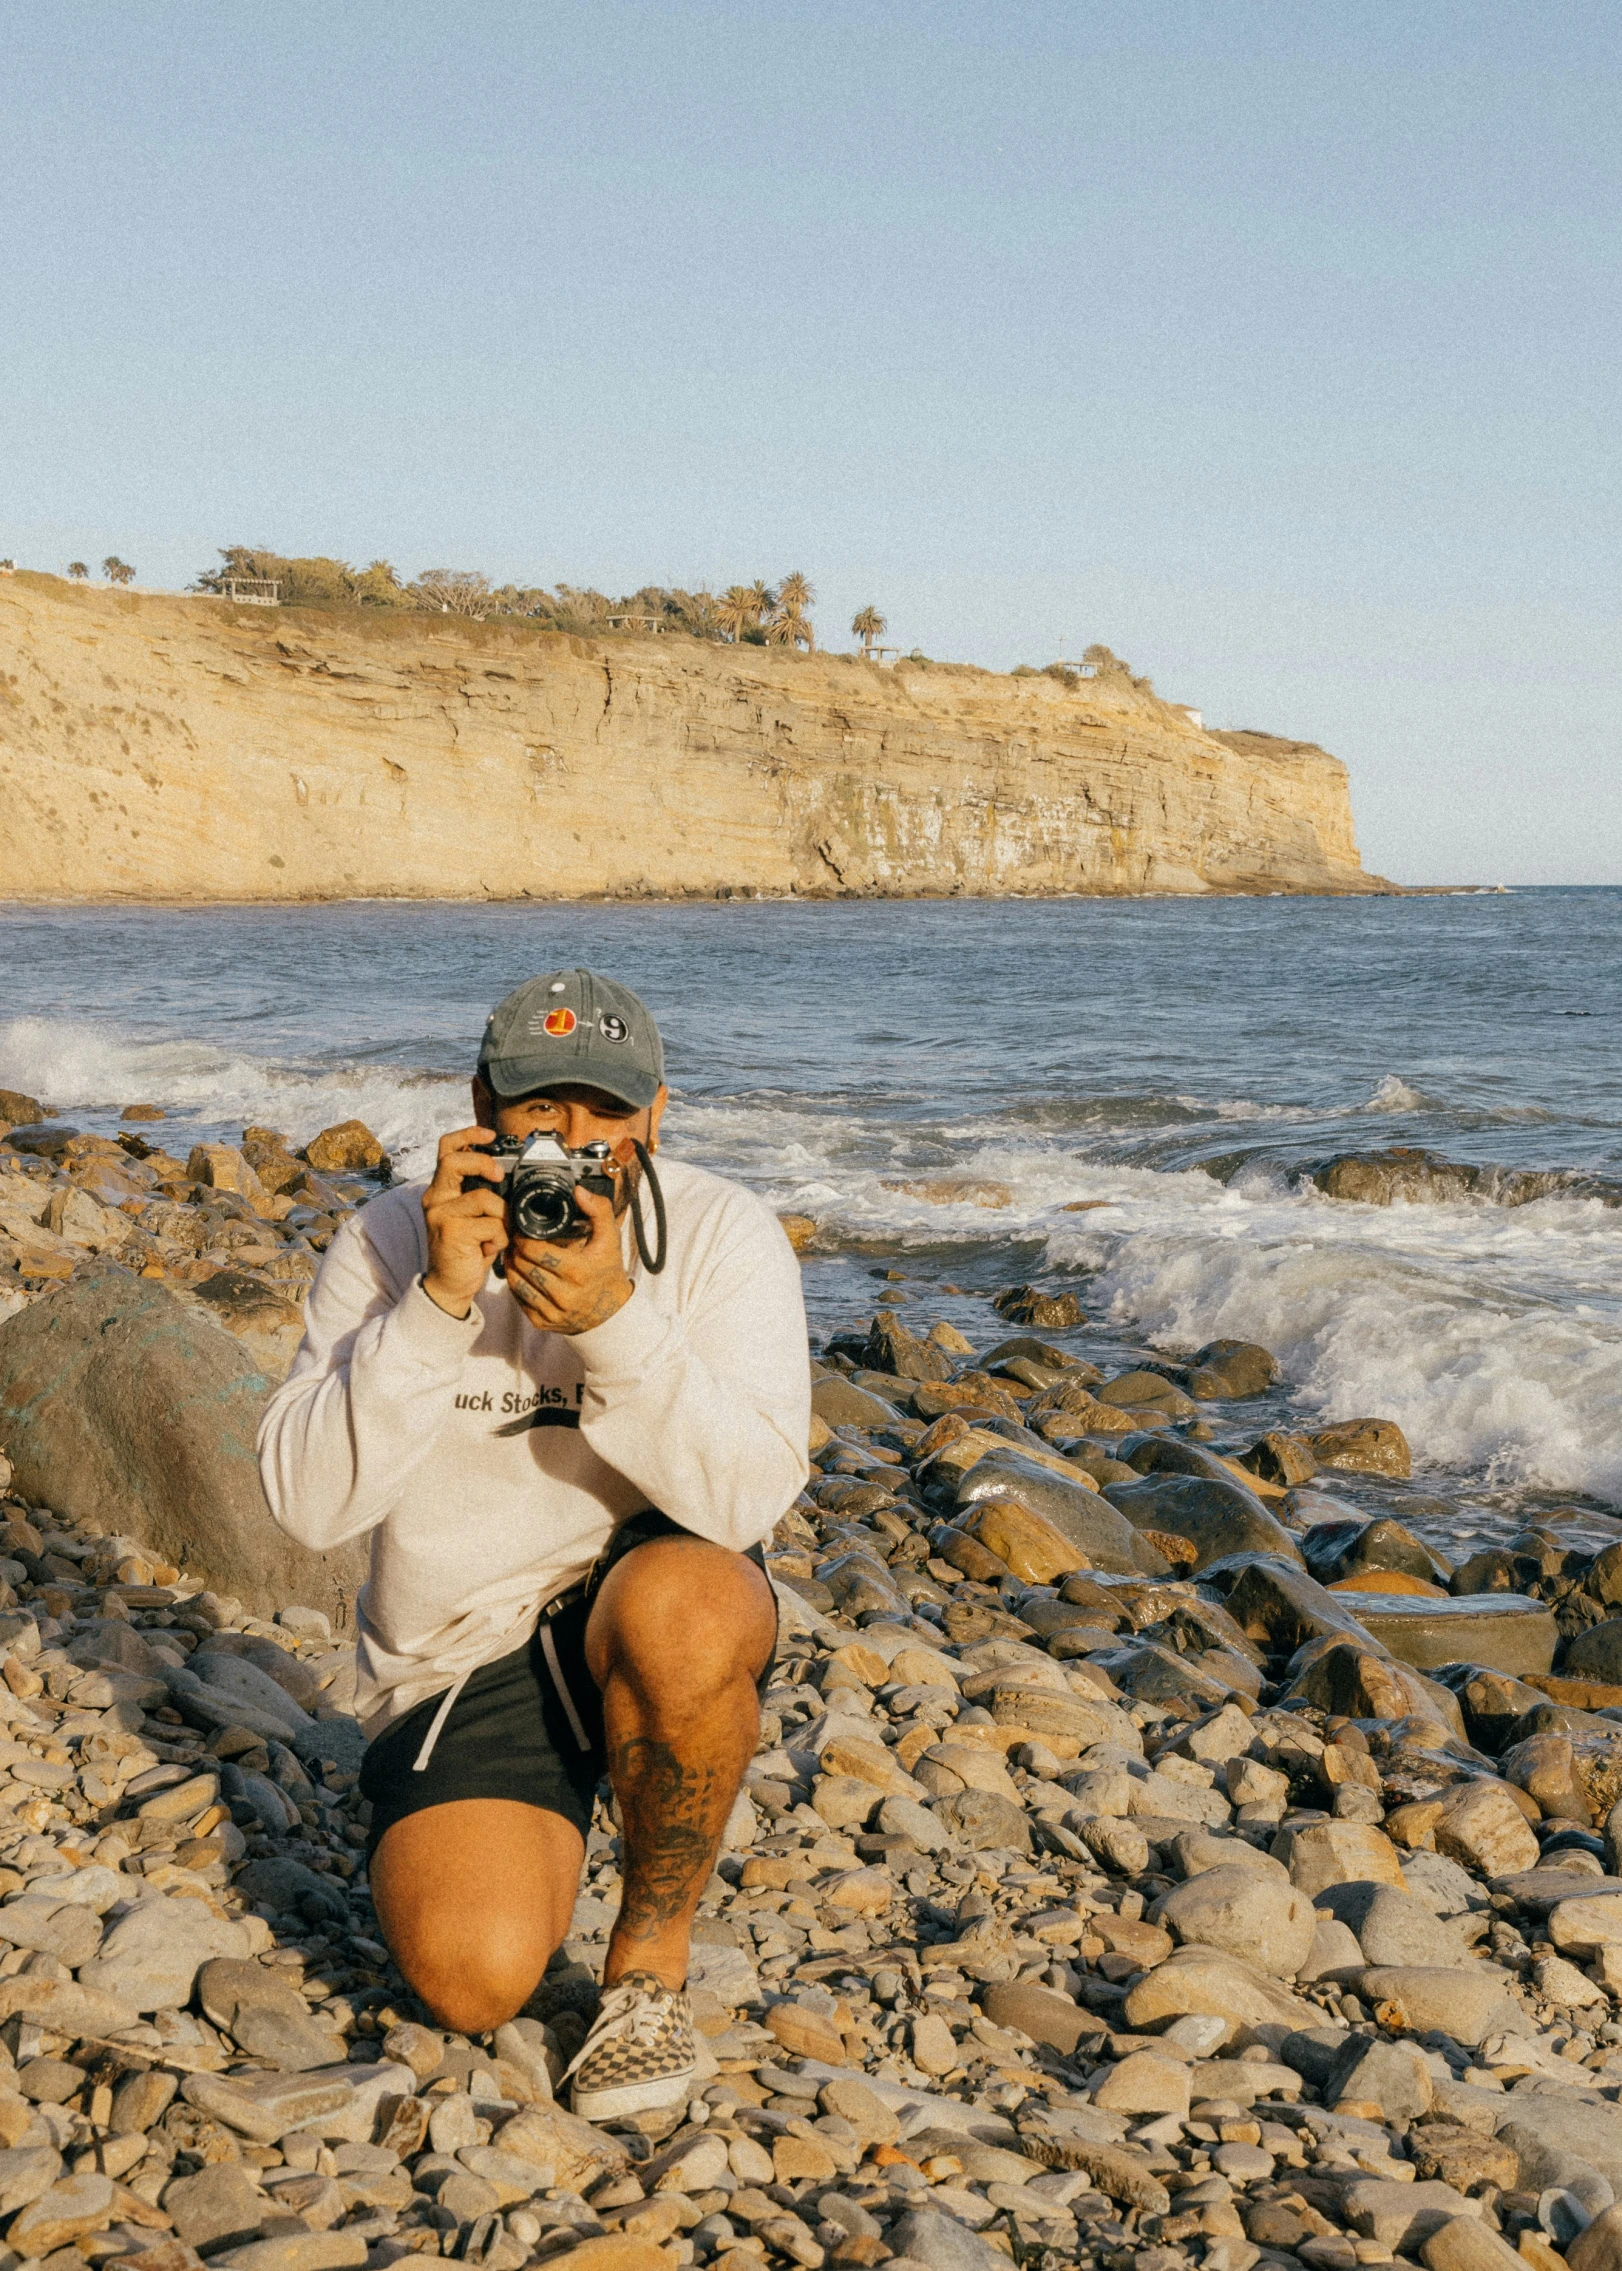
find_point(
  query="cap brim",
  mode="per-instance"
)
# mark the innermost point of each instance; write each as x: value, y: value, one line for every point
x: 532, y: 1076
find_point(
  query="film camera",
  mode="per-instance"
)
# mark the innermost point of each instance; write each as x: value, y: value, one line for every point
x: 542, y: 1176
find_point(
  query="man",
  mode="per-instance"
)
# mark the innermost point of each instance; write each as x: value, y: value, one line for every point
x: 566, y: 1478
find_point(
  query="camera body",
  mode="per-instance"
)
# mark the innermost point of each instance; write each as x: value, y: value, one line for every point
x: 541, y: 1178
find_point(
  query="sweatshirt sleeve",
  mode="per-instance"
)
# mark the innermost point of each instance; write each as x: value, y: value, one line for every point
x: 366, y: 1397
x: 708, y: 1410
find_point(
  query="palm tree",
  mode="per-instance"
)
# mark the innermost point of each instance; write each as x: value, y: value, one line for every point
x: 78, y: 571
x: 790, y: 627
x: 117, y: 571
x: 869, y: 626
x: 740, y: 610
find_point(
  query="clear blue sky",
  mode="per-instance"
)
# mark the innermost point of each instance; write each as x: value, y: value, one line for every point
x: 1274, y: 345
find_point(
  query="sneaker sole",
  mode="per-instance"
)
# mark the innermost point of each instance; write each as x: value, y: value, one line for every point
x: 651, y: 2096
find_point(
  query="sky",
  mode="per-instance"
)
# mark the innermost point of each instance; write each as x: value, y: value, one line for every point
x: 1275, y: 346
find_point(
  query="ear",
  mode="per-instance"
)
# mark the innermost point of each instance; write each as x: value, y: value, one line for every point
x: 656, y: 1112
x: 484, y: 1104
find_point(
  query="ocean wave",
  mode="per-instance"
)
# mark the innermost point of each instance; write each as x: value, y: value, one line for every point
x: 1493, y: 1340
x: 1493, y: 1335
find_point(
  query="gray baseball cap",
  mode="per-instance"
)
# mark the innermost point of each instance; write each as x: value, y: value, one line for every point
x: 573, y: 1027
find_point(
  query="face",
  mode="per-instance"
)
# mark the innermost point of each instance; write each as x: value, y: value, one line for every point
x: 576, y: 1116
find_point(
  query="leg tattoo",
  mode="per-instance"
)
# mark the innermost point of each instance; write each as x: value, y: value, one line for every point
x: 674, y: 1814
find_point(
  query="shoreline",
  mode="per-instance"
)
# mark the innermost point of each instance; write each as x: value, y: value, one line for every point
x: 1125, y: 1860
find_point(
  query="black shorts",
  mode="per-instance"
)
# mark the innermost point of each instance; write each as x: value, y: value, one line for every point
x: 528, y: 1727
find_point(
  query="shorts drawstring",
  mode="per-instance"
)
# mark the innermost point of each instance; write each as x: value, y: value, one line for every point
x: 419, y: 1764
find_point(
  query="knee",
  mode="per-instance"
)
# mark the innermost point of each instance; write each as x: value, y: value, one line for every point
x: 681, y: 1606
x: 472, y: 1991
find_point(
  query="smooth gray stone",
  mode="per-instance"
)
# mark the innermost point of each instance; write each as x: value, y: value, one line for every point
x: 126, y: 1412
x: 1561, y: 2122
x: 1217, y: 1517
x: 1083, y: 1516
x: 1392, y: 1927
x: 1508, y: 1632
x: 924, y: 2235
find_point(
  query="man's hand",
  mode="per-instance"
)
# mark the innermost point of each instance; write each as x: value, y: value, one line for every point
x: 568, y: 1289
x: 466, y: 1229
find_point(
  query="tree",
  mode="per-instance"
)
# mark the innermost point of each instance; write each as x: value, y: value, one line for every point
x: 453, y: 591
x: 117, y: 571
x: 378, y: 586
x: 869, y: 626
x: 740, y: 610
x: 78, y: 571
x: 789, y: 626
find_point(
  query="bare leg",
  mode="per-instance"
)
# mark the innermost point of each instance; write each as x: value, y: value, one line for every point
x: 679, y: 1634
x: 473, y: 1897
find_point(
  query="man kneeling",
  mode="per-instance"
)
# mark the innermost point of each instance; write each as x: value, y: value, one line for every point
x: 566, y: 1479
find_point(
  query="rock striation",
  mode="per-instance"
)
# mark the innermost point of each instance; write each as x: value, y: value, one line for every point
x: 187, y: 749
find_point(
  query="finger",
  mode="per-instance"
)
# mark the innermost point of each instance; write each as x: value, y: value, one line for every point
x: 463, y: 1205
x: 599, y: 1212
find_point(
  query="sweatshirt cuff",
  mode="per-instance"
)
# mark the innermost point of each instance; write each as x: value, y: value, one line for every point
x: 431, y: 1334
x: 629, y: 1343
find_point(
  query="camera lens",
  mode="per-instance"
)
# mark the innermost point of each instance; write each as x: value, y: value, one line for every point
x: 541, y: 1206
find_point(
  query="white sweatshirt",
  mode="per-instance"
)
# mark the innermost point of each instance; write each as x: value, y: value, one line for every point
x: 491, y: 1463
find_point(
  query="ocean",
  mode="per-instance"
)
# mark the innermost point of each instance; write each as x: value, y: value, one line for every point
x: 937, y: 1084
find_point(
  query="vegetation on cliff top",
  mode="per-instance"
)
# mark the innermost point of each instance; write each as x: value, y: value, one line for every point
x: 752, y: 614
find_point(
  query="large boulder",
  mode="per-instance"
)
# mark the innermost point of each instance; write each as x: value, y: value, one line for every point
x: 1076, y: 1511
x: 1504, y: 1631
x: 127, y: 1412
x: 1217, y: 1518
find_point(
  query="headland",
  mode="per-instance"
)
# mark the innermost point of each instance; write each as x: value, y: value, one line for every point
x: 169, y: 748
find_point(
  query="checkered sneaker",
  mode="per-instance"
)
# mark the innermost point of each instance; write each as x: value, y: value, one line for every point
x: 640, y: 2053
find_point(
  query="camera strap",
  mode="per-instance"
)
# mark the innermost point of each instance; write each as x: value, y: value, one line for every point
x: 653, y: 1265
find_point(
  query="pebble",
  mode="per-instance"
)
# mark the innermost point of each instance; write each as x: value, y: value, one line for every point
x: 1123, y: 1914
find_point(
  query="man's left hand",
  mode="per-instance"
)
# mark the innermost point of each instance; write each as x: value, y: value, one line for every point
x: 569, y: 1289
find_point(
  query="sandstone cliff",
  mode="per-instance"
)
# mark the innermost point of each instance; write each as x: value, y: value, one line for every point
x: 187, y: 749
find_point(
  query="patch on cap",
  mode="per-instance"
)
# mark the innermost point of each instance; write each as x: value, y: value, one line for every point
x: 559, y: 1022
x: 613, y: 1029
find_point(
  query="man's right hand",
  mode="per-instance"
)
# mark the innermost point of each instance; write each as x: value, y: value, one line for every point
x: 466, y: 1229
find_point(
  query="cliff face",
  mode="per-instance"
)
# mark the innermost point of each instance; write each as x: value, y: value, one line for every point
x: 169, y: 748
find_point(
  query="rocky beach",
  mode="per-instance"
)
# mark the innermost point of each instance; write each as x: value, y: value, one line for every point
x: 1157, y: 1853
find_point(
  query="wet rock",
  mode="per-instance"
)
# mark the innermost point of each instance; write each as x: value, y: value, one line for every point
x: 1075, y: 1510
x: 347, y: 1147
x: 836, y: 1401
x: 124, y: 1410
x: 1281, y: 1458
x: 1596, y: 1654
x: 18, y: 1110
x: 1364, y: 1447
x: 1029, y: 1305
x: 1217, y: 1518
x: 1030, y: 1546
x: 892, y: 1349
x: 1230, y: 1370
x: 1503, y: 1631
